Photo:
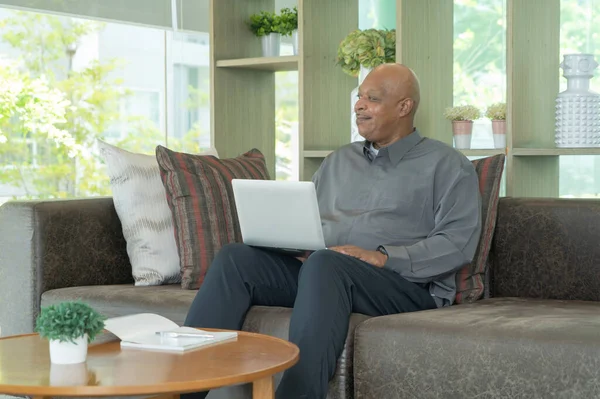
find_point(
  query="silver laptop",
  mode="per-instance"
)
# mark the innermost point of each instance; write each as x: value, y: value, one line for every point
x: 279, y: 215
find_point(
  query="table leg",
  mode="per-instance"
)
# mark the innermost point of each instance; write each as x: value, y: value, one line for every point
x: 263, y: 388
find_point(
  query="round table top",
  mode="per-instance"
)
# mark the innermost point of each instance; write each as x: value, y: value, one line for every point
x: 25, y: 367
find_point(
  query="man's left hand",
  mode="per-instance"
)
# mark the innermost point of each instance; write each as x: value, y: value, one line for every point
x: 374, y: 258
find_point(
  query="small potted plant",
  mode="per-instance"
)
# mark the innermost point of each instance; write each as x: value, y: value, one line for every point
x: 462, y: 118
x: 267, y: 26
x: 289, y: 25
x: 69, y: 327
x: 497, y: 114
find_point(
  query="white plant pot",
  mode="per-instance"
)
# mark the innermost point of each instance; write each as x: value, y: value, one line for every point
x: 354, y: 134
x: 499, y: 140
x: 295, y: 41
x: 271, y: 45
x: 462, y: 141
x: 69, y: 352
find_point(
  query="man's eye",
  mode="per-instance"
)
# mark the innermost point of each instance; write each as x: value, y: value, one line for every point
x: 373, y: 98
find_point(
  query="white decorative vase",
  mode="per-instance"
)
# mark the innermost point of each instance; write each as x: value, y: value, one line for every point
x: 499, y: 133
x: 271, y: 45
x: 69, y: 352
x: 354, y: 134
x: 295, y: 41
x: 462, y: 131
x: 578, y: 108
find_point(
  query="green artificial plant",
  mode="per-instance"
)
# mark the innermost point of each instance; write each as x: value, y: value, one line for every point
x: 288, y: 21
x: 67, y: 321
x: 265, y: 23
x: 369, y: 48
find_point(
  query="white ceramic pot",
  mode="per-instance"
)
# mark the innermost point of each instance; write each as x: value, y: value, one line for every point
x: 295, y: 41
x: 499, y: 133
x: 354, y: 134
x: 69, y: 352
x: 271, y: 45
x: 462, y: 131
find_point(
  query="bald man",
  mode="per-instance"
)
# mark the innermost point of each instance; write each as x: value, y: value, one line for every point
x: 400, y: 215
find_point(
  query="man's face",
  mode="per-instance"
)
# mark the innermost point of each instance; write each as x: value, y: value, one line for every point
x: 378, y: 109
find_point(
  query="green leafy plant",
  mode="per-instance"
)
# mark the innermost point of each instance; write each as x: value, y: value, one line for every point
x: 369, y: 48
x: 67, y: 321
x: 462, y: 113
x: 288, y: 21
x: 496, y: 112
x: 264, y: 23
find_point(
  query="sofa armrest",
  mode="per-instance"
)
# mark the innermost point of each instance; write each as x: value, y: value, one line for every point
x: 46, y: 245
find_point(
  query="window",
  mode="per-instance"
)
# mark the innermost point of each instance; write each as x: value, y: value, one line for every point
x: 74, y: 80
x: 580, y: 33
x: 480, y: 60
x: 286, y: 119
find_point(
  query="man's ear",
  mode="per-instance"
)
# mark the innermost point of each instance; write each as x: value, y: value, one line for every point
x: 406, y: 106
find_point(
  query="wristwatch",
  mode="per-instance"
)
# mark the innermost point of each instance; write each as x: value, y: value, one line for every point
x: 383, y: 251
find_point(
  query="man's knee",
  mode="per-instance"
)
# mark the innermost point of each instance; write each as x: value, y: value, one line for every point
x: 230, y: 256
x: 323, y: 263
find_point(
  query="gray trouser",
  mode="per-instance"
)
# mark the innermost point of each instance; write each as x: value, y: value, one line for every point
x: 323, y: 291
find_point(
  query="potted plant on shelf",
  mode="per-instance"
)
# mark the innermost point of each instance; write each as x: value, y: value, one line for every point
x: 69, y: 327
x: 289, y: 25
x: 497, y: 114
x: 267, y: 26
x: 359, y: 53
x: 462, y: 118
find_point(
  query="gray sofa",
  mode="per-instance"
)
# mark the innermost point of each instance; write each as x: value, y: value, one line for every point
x: 536, y: 336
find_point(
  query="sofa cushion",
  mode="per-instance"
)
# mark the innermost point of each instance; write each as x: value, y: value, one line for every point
x: 470, y: 279
x: 500, y: 348
x: 200, y: 196
x: 173, y: 303
x: 141, y: 203
x: 169, y: 301
x: 547, y: 248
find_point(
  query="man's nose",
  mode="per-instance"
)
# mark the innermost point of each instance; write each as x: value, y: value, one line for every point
x: 360, y: 105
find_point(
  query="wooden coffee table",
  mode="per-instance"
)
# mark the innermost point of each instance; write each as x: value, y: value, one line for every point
x: 25, y: 368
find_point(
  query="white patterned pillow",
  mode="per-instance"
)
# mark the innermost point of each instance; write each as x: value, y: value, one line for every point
x: 140, y: 201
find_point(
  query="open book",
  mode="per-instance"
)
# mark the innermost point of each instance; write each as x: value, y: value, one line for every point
x: 151, y: 331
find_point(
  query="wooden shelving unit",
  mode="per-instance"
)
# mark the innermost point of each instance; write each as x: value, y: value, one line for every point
x: 274, y: 64
x: 243, y: 90
x: 243, y: 83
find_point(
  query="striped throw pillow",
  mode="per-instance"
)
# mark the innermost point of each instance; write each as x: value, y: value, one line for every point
x: 200, y: 197
x: 140, y: 202
x: 470, y: 279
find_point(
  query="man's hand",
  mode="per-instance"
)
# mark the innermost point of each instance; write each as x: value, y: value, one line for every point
x: 374, y: 258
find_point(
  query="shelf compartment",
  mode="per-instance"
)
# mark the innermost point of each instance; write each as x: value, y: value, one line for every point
x: 274, y: 64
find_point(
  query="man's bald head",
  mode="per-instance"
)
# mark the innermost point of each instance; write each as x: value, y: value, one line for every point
x: 402, y: 81
x: 388, y: 99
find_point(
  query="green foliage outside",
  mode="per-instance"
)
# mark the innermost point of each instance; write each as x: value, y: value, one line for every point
x: 51, y: 115
x: 67, y: 321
